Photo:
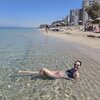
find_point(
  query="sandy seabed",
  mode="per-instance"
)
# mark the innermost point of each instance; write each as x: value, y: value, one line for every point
x: 88, y: 51
x: 54, y: 51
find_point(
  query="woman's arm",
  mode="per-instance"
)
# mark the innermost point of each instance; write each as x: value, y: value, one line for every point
x: 76, y: 75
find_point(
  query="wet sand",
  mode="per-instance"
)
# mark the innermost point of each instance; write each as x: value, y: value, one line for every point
x: 53, y: 51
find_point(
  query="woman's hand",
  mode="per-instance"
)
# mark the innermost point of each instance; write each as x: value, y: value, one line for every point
x: 57, y: 74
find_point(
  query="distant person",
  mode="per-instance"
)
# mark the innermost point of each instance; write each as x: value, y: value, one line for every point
x: 47, y: 28
x: 99, y: 27
x: 44, y: 72
x: 94, y: 28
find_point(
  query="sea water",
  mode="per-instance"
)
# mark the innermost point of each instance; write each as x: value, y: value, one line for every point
x: 27, y: 49
x: 31, y: 49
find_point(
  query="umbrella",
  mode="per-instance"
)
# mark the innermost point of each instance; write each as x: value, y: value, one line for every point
x: 97, y: 18
x: 80, y: 21
x: 91, y: 20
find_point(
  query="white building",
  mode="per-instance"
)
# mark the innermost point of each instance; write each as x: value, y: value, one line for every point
x: 74, y: 16
x: 67, y: 19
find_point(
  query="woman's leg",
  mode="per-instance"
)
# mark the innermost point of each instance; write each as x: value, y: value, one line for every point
x: 28, y: 72
x: 46, y: 73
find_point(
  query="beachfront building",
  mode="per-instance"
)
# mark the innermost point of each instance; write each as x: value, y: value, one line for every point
x: 81, y: 16
x: 84, y: 5
x: 67, y: 19
x: 74, y: 16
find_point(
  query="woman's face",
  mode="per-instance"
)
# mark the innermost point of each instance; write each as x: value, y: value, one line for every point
x: 76, y: 65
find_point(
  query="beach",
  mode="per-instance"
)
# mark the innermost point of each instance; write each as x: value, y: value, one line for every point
x: 91, y: 44
x: 78, y: 36
x: 31, y: 49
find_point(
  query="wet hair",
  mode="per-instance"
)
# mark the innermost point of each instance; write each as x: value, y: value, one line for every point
x: 79, y: 62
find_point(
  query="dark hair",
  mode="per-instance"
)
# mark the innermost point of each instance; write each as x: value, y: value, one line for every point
x: 79, y: 62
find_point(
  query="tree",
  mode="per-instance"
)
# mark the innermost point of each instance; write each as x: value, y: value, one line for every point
x: 94, y: 10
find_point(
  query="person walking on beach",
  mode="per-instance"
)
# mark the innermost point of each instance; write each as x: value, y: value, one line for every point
x: 46, y: 73
x: 47, y: 28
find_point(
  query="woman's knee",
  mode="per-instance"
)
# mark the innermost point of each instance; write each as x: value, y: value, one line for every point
x: 44, y: 69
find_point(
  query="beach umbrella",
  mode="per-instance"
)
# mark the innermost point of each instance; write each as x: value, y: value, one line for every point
x: 98, y: 19
x: 91, y: 20
x: 80, y: 21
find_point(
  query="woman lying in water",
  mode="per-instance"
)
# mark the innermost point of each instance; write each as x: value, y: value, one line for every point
x: 44, y: 72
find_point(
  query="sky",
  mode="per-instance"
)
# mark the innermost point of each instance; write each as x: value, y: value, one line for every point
x: 32, y: 13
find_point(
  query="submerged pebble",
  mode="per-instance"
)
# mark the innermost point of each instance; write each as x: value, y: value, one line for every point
x: 9, y: 86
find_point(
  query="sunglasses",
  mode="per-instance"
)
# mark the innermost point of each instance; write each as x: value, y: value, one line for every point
x: 76, y: 65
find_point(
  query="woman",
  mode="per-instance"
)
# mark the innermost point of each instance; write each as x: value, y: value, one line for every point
x: 44, y: 72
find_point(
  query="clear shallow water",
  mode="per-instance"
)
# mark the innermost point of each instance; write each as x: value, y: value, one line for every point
x: 24, y: 49
x: 29, y: 49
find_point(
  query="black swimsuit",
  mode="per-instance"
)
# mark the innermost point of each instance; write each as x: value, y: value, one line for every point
x: 70, y: 73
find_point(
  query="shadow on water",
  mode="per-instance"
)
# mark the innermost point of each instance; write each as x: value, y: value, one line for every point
x: 31, y: 77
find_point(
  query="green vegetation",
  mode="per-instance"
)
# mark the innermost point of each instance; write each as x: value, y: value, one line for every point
x: 93, y: 11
